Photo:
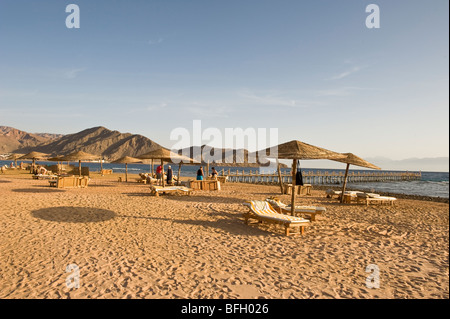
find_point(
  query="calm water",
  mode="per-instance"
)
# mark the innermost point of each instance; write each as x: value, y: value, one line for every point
x: 435, y: 184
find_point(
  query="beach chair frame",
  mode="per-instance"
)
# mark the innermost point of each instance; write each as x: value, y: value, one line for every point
x: 177, y: 190
x: 292, y: 225
x: 310, y: 211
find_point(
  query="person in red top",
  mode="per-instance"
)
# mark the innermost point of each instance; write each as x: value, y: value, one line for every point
x: 158, y: 173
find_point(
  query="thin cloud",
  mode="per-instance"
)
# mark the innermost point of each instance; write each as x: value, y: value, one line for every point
x: 208, y: 110
x: 155, y: 107
x: 342, y: 91
x: 72, y: 73
x: 154, y: 42
x: 346, y: 73
x: 273, y: 100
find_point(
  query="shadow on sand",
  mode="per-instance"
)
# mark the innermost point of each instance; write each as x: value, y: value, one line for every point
x: 38, y: 190
x: 69, y: 214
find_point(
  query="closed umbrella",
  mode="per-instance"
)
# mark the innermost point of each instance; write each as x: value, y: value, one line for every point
x: 127, y: 160
x: 352, y: 159
x: 297, y: 150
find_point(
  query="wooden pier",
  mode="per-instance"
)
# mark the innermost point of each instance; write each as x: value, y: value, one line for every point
x: 319, y: 177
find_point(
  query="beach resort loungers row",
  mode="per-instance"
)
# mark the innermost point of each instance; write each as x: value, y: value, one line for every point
x: 361, y: 197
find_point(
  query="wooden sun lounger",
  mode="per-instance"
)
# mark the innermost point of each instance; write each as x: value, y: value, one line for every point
x: 282, y: 208
x: 44, y: 176
x: 178, y: 190
x: 368, y: 198
x: 264, y: 213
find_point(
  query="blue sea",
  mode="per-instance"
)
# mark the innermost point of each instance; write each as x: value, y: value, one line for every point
x: 434, y: 184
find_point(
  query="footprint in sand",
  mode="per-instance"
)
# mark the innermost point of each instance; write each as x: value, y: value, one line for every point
x: 245, y: 291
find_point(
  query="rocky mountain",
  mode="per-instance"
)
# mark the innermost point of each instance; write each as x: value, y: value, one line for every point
x: 111, y: 145
x: 12, y: 139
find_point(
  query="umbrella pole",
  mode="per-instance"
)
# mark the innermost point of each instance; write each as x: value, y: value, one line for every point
x: 345, y: 183
x: 126, y: 172
x: 294, y: 170
x: 162, y: 172
x: 279, y: 176
x: 179, y: 170
x: 152, y: 167
x: 79, y: 167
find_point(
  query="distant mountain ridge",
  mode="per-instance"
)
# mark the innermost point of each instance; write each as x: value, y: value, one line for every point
x: 12, y: 139
x: 109, y: 144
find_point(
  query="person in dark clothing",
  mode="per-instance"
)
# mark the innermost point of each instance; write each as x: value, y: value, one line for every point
x: 169, y: 175
x: 200, y: 174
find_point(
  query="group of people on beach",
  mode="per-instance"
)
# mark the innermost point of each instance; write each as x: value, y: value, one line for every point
x: 169, y: 175
x: 170, y: 178
x: 200, y: 174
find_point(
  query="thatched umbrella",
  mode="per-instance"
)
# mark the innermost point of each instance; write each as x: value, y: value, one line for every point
x: 353, y: 160
x: 34, y: 156
x: 79, y: 156
x: 297, y: 150
x: 14, y: 157
x: 126, y: 160
x: 166, y: 155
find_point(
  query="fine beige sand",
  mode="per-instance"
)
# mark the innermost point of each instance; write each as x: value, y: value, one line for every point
x: 128, y: 244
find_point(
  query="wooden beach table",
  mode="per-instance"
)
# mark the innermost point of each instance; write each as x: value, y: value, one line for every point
x: 208, y: 185
x: 70, y: 182
x: 301, y: 189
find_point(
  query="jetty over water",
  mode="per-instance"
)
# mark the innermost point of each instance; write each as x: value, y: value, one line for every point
x: 319, y: 177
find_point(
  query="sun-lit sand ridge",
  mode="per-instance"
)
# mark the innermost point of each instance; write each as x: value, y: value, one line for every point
x: 128, y: 244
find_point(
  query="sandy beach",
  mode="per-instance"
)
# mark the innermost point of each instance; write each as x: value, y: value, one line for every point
x: 129, y: 244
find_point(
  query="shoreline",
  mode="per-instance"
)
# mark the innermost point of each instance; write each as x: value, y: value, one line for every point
x: 133, y: 176
x: 397, y: 195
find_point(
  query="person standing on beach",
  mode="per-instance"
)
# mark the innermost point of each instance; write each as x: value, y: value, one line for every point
x: 214, y: 173
x: 158, y: 174
x: 200, y: 174
x: 169, y: 175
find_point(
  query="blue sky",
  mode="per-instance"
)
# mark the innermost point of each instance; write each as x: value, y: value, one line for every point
x: 309, y: 68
